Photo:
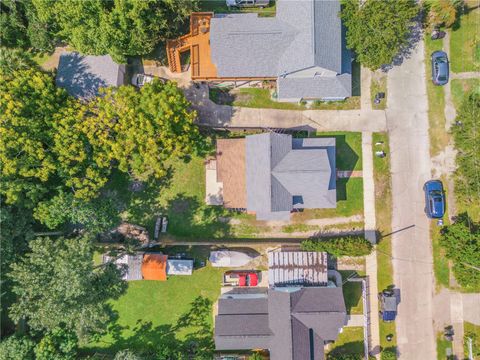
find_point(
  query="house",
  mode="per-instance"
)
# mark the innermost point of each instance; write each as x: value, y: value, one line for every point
x: 272, y: 174
x: 154, y: 267
x: 83, y: 75
x: 130, y: 263
x: 302, y: 48
x: 293, y: 323
x: 179, y: 267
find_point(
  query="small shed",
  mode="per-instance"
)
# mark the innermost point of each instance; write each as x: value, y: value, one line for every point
x: 286, y: 268
x: 227, y: 258
x: 131, y: 262
x: 154, y: 267
x: 179, y: 267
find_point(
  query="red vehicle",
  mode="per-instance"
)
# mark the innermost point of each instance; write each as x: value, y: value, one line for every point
x: 241, y: 278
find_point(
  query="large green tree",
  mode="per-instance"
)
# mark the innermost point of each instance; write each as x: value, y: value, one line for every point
x: 140, y: 130
x: 377, y: 30
x: 467, y: 142
x: 461, y: 241
x: 17, y: 347
x: 120, y: 28
x: 58, y: 285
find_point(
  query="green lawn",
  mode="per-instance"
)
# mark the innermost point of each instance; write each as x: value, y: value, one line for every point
x: 352, y: 293
x: 436, y: 102
x: 350, y: 341
x: 465, y: 43
x: 348, y: 149
x: 472, y: 331
x: 148, y: 314
x: 379, y: 84
x: 383, y: 212
x: 220, y: 6
x: 442, y: 346
x: 440, y: 262
x: 461, y: 87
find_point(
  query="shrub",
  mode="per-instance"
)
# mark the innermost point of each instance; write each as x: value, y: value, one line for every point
x: 16, y: 348
x: 340, y: 246
x: 58, y: 344
x: 388, y: 354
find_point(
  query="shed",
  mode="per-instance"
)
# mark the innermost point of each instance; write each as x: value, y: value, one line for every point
x: 154, y: 267
x: 131, y: 262
x: 227, y: 258
x: 297, y: 268
x: 179, y: 267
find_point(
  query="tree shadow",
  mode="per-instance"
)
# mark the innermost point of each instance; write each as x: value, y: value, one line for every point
x: 354, y: 347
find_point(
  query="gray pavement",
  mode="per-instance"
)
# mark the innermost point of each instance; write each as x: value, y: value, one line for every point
x: 407, y: 122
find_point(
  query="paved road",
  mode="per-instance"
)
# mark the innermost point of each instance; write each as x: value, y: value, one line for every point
x: 407, y: 121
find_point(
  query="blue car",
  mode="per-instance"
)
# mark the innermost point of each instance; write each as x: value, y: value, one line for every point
x: 440, y: 70
x: 434, y: 199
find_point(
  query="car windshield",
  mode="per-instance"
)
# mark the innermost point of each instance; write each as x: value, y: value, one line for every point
x: 436, y: 192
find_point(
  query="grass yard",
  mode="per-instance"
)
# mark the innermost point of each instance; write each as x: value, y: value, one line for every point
x: 440, y: 262
x: 350, y: 341
x: 442, y: 347
x: 379, y: 84
x: 149, y: 313
x: 220, y: 6
x: 348, y: 149
x: 383, y: 211
x: 461, y: 87
x: 352, y: 293
x: 465, y: 43
x: 436, y: 102
x: 472, y: 331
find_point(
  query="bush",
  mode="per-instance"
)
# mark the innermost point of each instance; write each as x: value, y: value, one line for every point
x: 340, y: 356
x: 16, y: 348
x: 58, y: 344
x: 341, y: 246
x: 388, y: 354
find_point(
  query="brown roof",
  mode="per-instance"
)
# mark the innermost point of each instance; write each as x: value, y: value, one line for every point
x: 154, y: 267
x: 231, y: 172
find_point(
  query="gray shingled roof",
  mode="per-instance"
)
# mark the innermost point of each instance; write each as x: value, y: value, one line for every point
x: 131, y: 264
x: 305, y: 34
x: 295, y: 322
x: 82, y: 76
x: 279, y: 168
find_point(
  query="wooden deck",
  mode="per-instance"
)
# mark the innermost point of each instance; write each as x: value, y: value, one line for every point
x: 198, y: 43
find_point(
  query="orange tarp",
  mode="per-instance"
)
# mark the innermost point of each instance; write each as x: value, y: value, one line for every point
x: 154, y: 267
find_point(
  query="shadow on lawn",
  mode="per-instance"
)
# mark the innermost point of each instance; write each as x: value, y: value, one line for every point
x: 161, y: 342
x: 354, y: 348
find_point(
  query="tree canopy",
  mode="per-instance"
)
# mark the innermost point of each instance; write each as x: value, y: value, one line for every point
x: 377, y: 30
x: 443, y: 12
x: 57, y: 285
x: 461, y: 241
x: 339, y: 246
x: 120, y: 28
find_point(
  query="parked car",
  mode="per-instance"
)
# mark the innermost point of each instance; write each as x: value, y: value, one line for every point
x: 434, y: 199
x: 247, y: 3
x: 440, y: 70
x: 388, y: 305
x: 241, y: 278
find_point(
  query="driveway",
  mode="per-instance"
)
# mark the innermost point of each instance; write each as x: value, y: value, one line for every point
x: 407, y: 122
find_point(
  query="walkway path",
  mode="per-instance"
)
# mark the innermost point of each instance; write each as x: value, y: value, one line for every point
x: 365, y: 82
x: 465, y: 75
x: 407, y: 121
x: 370, y: 234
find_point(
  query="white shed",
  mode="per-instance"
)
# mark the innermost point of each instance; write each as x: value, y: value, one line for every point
x: 179, y: 267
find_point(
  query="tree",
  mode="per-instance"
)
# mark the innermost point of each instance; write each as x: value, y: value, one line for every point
x: 57, y: 285
x: 96, y: 216
x: 340, y: 246
x: 15, y: 59
x: 461, y: 241
x: 467, y: 140
x: 443, y: 12
x: 17, y: 347
x: 58, y: 344
x: 377, y: 30
x: 140, y: 130
x: 120, y: 28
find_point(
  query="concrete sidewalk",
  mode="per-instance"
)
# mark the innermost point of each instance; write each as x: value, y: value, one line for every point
x: 370, y: 234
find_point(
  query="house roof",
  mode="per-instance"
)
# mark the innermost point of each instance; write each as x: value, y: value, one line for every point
x: 179, y: 267
x: 283, y: 173
x: 292, y: 323
x: 231, y: 172
x: 82, y: 76
x: 304, y: 34
x: 154, y: 267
